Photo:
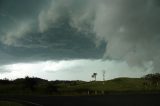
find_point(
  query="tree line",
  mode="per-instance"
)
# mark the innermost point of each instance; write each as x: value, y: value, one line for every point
x: 152, y: 79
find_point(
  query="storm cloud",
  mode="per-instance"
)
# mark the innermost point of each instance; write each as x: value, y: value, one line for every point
x: 130, y: 28
x: 33, y: 33
x: 112, y: 30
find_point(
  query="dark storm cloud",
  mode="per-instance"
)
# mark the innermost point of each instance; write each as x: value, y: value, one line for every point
x: 131, y: 28
x: 62, y: 29
x: 22, y: 39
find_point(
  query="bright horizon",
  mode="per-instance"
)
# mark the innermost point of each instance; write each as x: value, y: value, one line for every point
x: 72, y: 70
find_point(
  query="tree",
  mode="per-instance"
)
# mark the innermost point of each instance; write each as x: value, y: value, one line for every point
x: 30, y: 83
x: 152, y: 79
x: 94, y: 76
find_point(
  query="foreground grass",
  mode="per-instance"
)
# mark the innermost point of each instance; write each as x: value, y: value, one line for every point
x: 8, y: 103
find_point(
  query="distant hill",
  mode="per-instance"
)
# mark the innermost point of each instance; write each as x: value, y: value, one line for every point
x: 38, y: 86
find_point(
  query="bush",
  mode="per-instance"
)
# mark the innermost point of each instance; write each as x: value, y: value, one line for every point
x: 50, y: 88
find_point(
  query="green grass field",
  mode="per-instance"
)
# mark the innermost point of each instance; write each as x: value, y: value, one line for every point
x: 118, y: 85
x: 36, y: 86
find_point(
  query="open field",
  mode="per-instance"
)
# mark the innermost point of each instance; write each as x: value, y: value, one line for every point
x: 118, y: 85
x: 115, y: 92
x: 37, y: 86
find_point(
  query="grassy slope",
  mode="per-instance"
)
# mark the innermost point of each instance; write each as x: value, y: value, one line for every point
x: 115, y: 85
x: 80, y: 87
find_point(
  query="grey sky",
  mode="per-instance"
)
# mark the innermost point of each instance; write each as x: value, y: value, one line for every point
x: 123, y: 31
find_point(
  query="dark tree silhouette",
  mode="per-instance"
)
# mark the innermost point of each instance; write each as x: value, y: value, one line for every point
x: 5, y: 81
x: 152, y: 79
x: 94, y: 76
x: 30, y: 83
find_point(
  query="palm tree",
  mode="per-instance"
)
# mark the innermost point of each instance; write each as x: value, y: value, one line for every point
x: 94, y: 76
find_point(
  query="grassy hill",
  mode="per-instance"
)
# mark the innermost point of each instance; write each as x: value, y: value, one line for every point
x: 118, y: 85
x: 37, y: 86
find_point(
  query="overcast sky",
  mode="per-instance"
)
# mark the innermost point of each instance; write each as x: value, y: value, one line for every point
x: 71, y: 39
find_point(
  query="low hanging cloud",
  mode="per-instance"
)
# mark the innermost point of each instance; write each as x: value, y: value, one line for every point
x: 130, y: 28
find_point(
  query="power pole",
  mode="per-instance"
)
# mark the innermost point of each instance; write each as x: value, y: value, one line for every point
x: 103, y: 73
